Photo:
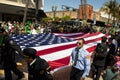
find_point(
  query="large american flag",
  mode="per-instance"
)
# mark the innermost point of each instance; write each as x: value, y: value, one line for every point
x: 57, y: 47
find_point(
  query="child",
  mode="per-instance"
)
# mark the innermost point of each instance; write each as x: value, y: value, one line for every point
x: 38, y: 68
x: 111, y: 73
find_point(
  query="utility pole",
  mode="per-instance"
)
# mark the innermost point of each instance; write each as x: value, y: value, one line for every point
x: 36, y: 12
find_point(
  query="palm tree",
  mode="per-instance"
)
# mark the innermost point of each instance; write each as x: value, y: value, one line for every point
x: 25, y: 13
x: 109, y: 8
x: 115, y: 8
x: 117, y: 13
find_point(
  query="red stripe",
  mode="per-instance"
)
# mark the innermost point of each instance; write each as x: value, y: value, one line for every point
x: 55, y: 49
x: 93, y: 40
x: 93, y: 34
x: 91, y: 49
x: 64, y: 60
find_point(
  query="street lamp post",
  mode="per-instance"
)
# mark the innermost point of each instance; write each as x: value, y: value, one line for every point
x: 94, y: 18
x: 54, y: 9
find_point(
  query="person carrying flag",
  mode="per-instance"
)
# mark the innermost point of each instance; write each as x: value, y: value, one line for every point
x: 38, y: 68
x: 8, y: 50
x: 80, y: 61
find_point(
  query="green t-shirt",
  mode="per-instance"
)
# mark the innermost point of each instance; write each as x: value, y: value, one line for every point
x: 27, y: 29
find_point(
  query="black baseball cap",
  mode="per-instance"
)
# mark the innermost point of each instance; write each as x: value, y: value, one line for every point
x: 30, y: 52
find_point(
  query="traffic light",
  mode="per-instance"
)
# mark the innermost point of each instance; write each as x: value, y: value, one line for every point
x: 67, y: 8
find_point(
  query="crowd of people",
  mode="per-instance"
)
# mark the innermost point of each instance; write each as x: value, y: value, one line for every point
x: 103, y: 58
x: 15, y: 28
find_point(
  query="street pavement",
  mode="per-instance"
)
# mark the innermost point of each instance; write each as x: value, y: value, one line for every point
x: 59, y: 74
x: 64, y: 72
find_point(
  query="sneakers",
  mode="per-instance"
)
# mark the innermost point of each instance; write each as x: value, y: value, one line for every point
x: 20, y: 77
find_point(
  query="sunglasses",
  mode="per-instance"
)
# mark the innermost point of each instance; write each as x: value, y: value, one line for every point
x: 79, y: 43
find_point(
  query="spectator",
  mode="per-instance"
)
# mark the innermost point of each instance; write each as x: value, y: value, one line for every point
x: 114, y: 41
x: 110, y: 73
x: 118, y: 38
x: 111, y: 53
x: 33, y: 31
x: 99, y: 59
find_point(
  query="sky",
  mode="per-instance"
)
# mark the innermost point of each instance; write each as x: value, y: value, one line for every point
x: 97, y: 4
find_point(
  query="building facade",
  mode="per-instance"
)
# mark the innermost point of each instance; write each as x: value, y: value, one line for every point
x: 14, y: 9
x: 60, y: 14
x: 85, y: 11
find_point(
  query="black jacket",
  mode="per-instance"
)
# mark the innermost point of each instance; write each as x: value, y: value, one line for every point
x: 111, y: 49
x: 100, y: 55
x: 9, y: 49
x: 38, y: 70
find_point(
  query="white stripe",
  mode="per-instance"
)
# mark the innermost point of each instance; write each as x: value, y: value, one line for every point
x: 70, y: 34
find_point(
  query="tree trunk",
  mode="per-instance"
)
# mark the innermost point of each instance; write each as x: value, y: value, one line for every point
x: 108, y: 19
x: 25, y: 13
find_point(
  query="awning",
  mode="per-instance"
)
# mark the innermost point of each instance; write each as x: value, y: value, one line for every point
x: 16, y: 10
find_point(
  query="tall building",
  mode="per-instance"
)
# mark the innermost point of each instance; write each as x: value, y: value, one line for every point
x: 13, y: 10
x: 85, y: 11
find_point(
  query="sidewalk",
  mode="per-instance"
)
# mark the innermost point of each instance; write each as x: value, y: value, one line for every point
x: 22, y: 67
